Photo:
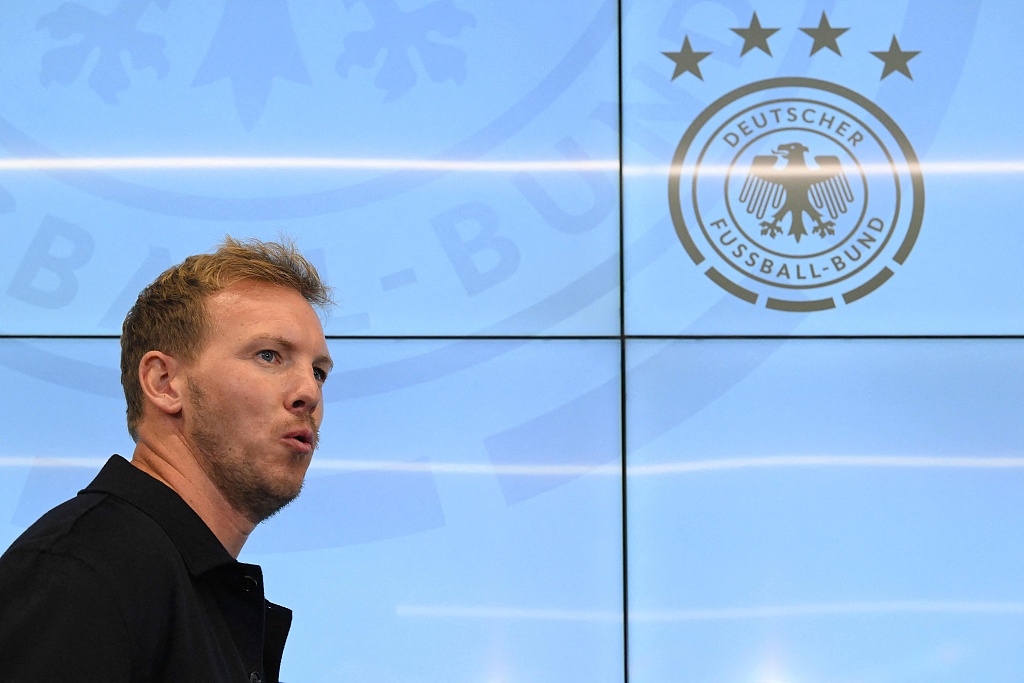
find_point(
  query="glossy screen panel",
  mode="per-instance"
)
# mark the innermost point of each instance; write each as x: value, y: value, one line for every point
x: 713, y: 96
x: 446, y: 185
x: 462, y: 524
x: 825, y: 510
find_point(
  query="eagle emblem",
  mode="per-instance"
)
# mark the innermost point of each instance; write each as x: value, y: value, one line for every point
x: 796, y: 189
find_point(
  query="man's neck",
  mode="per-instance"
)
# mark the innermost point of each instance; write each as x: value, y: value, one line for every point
x: 179, y: 469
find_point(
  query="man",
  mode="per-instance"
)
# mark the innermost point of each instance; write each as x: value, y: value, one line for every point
x: 223, y: 360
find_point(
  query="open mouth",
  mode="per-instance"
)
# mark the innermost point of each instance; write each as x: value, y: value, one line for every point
x: 302, y: 439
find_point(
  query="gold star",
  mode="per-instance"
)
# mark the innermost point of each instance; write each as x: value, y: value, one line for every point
x: 825, y: 36
x: 755, y: 36
x: 896, y: 59
x: 686, y: 60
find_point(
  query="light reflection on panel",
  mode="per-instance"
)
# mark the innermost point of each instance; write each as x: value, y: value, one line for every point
x: 464, y: 523
x: 702, y: 104
x: 521, y: 250
x: 825, y: 510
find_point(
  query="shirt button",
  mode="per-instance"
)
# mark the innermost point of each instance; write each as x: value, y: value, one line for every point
x: 249, y: 585
x: 254, y: 677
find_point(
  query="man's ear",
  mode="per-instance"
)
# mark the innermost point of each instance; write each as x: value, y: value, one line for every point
x: 162, y: 381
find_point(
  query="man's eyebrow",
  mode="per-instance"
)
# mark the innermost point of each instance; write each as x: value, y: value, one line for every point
x: 269, y: 338
x: 325, y: 360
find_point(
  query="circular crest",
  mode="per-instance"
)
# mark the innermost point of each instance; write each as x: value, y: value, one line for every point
x: 796, y: 194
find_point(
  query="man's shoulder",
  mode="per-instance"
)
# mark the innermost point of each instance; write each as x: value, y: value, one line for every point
x: 101, y: 531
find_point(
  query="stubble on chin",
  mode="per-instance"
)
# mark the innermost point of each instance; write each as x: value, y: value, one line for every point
x: 249, y: 492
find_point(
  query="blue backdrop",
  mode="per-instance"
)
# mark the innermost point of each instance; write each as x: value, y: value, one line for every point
x: 572, y: 434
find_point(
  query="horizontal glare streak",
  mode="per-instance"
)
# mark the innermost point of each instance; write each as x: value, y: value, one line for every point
x: 463, y: 468
x: 831, y: 609
x: 964, y: 167
x: 457, y: 612
x: 717, y: 614
x: 928, y: 168
x: 783, y: 461
x: 298, y: 163
x: 681, y: 467
x: 80, y: 463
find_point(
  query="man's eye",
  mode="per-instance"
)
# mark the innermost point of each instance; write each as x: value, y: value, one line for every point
x: 321, y: 376
x: 268, y: 356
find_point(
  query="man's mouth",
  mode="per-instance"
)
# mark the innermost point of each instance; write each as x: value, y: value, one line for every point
x: 303, y: 440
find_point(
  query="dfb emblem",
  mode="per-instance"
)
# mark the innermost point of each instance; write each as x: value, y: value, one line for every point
x: 796, y: 194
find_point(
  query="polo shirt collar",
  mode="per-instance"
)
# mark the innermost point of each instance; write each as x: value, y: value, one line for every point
x: 199, y: 547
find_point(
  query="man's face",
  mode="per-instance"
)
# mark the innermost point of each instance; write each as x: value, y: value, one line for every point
x: 255, y: 395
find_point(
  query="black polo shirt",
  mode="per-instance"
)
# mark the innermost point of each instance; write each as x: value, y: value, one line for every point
x: 125, y: 582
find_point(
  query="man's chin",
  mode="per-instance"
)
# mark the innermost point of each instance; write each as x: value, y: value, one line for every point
x: 268, y: 507
x: 259, y: 505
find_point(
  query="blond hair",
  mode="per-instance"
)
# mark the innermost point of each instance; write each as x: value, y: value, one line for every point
x: 170, y: 314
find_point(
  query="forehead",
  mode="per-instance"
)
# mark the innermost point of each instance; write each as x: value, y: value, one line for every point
x: 250, y: 308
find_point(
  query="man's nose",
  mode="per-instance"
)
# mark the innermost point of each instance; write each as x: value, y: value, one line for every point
x: 306, y: 393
